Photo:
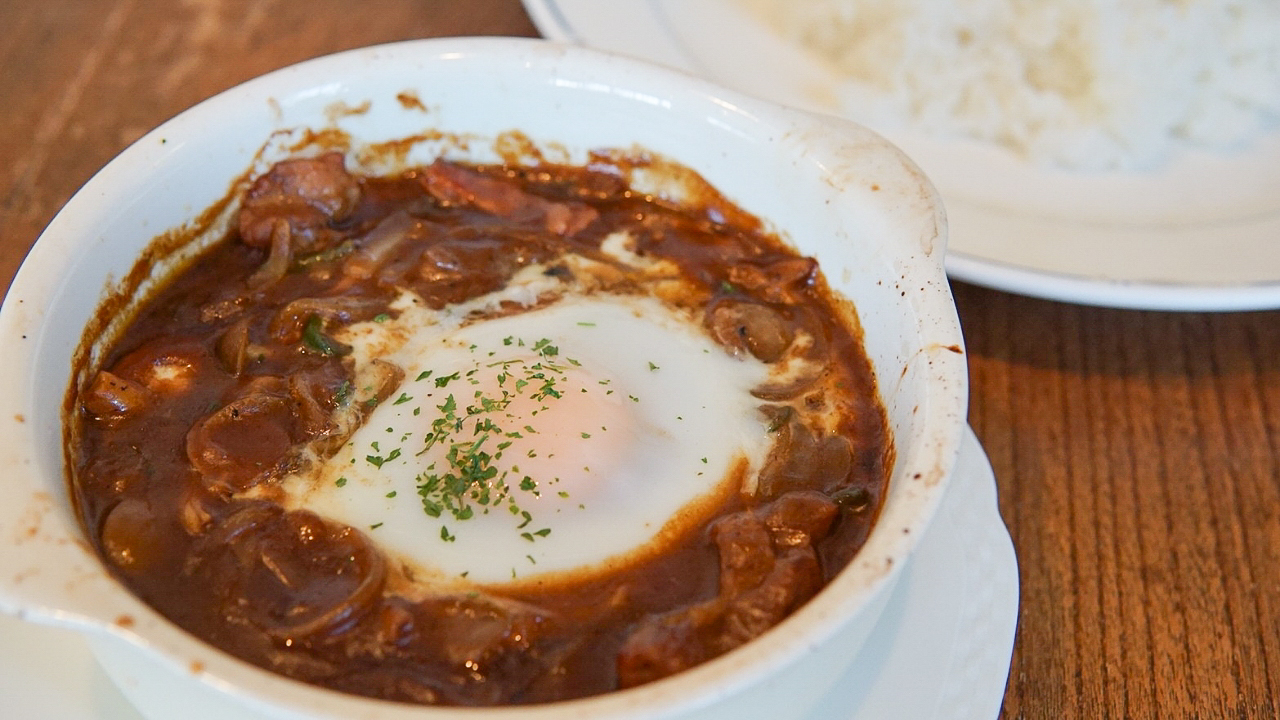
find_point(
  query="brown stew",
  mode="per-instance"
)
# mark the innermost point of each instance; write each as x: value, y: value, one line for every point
x: 230, y: 378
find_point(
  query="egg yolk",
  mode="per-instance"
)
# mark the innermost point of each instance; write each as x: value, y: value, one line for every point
x: 522, y: 425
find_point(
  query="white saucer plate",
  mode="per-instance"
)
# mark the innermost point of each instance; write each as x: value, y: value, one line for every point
x: 940, y: 651
x: 1200, y: 233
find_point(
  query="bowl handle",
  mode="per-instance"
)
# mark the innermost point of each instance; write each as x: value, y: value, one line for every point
x: 48, y: 572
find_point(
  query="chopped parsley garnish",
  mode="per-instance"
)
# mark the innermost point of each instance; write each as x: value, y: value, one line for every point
x: 342, y: 395
x: 468, y: 434
x: 314, y: 337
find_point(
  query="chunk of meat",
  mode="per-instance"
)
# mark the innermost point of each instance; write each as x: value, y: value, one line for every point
x: 662, y: 645
x: 768, y: 568
x: 455, y: 185
x: 746, y: 552
x: 802, y: 457
x: 465, y: 265
x: 307, y: 194
x: 472, y: 649
x: 800, y: 518
x: 776, y: 281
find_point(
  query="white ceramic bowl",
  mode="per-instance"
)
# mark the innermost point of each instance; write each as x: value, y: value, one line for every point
x: 835, y: 190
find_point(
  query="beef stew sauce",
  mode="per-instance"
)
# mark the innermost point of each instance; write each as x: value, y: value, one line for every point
x: 234, y: 374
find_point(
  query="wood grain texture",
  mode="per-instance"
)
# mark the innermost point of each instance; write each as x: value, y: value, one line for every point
x: 1136, y: 453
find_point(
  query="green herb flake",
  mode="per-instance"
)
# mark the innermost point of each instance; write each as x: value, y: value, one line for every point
x: 314, y: 337
x: 342, y: 395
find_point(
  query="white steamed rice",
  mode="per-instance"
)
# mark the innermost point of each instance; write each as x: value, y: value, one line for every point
x: 1093, y: 84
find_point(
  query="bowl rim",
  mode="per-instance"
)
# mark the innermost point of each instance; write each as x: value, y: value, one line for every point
x: 37, y: 281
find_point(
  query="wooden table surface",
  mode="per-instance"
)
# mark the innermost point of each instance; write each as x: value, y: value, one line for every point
x: 1137, y: 453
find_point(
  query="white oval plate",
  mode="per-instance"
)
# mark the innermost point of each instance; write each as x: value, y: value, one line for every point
x: 940, y: 651
x: 1201, y: 233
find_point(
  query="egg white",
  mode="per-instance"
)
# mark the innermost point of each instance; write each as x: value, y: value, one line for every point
x: 599, y: 419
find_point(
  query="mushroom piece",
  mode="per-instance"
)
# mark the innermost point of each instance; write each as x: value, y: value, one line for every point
x: 113, y: 398
x: 747, y: 326
x: 246, y: 441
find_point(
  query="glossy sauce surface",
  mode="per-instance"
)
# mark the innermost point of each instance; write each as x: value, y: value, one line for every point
x: 234, y: 376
